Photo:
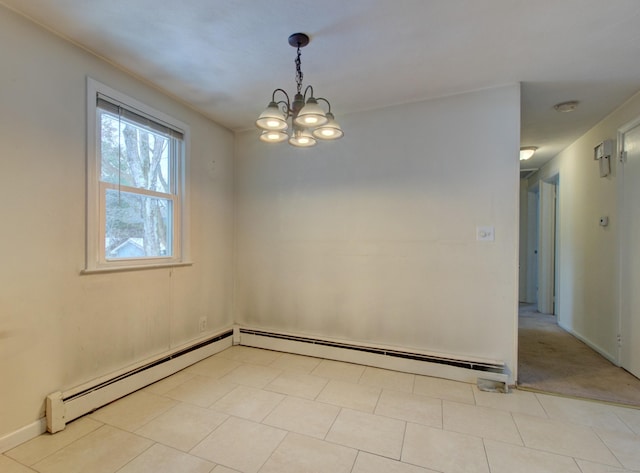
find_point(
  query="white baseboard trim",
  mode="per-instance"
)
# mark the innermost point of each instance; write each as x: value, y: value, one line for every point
x: 22, y: 435
x: 365, y: 355
x: 63, y: 407
x: 590, y: 344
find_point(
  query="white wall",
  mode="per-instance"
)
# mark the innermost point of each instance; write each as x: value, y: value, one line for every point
x: 588, y: 253
x: 59, y: 328
x: 372, y: 238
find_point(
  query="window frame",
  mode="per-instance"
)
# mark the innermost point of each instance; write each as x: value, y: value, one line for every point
x: 96, y: 258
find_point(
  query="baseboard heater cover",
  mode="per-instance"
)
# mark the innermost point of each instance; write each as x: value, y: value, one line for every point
x: 483, y: 366
x: 62, y: 408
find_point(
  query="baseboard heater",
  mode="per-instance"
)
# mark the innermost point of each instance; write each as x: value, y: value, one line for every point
x: 383, y: 357
x: 63, y: 407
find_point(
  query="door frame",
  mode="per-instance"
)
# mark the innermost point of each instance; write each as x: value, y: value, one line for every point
x: 548, y: 245
x: 621, y: 237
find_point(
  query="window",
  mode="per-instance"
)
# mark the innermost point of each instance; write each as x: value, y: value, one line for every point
x: 136, y: 187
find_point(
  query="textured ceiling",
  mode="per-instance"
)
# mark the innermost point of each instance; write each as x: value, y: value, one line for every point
x: 224, y: 57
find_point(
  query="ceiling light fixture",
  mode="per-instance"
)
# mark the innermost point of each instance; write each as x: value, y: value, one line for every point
x: 309, y: 122
x: 527, y: 151
x: 565, y: 107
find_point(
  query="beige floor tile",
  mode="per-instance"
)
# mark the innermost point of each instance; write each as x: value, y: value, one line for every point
x: 298, y: 384
x: 302, y: 454
x: 44, y: 445
x: 514, y: 401
x: 626, y: 447
x: 590, y: 467
x: 563, y: 438
x: 339, y: 370
x: 368, y: 432
x: 444, y: 389
x: 167, y: 384
x: 256, y: 356
x: 387, y: 379
x: 102, y: 451
x: 132, y: 412
x: 223, y: 469
x: 296, y: 363
x: 631, y: 418
x: 240, y: 444
x: 592, y: 414
x: 248, y: 403
x: 7, y: 465
x: 410, y: 407
x: 213, y: 367
x: 163, y: 459
x: 201, y: 390
x: 182, y: 426
x: 303, y: 416
x: 368, y: 463
x: 353, y: 396
x: 252, y: 375
x: 483, y: 422
x: 505, y: 458
x: 448, y: 452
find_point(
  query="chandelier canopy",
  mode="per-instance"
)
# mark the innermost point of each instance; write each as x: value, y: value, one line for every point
x: 303, y: 121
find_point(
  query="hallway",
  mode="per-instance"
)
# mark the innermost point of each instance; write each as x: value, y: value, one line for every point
x: 552, y: 360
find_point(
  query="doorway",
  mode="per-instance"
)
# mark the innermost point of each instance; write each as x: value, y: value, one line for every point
x: 542, y: 245
x: 550, y: 358
x: 629, y: 179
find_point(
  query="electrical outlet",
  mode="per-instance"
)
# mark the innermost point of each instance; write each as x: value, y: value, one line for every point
x: 202, y: 324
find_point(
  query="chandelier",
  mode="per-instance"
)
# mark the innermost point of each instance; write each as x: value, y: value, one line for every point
x: 309, y: 122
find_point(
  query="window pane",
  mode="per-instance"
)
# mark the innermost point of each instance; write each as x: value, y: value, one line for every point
x: 132, y: 155
x: 137, y: 226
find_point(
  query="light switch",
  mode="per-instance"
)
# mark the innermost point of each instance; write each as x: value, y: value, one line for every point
x: 485, y: 234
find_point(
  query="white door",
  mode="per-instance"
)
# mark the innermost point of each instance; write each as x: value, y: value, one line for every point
x: 629, y: 140
x: 532, y: 247
x: 547, y: 247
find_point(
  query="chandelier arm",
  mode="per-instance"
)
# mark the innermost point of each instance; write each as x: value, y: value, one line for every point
x: 273, y: 96
x: 309, y: 87
x: 286, y: 104
x: 326, y: 101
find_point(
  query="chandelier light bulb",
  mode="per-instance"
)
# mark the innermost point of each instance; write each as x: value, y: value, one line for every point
x: 272, y: 118
x: 302, y: 139
x: 330, y: 131
x: 274, y: 136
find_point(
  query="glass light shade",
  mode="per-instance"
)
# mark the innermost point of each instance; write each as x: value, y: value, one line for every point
x: 527, y: 152
x: 311, y: 115
x: 273, y: 136
x: 302, y: 139
x: 272, y: 118
x: 329, y: 131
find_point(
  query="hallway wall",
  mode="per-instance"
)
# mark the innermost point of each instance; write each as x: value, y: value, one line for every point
x: 587, y: 305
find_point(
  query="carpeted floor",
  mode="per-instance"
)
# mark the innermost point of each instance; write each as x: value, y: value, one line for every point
x: 552, y: 360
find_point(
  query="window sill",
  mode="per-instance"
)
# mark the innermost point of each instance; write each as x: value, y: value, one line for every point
x: 118, y: 269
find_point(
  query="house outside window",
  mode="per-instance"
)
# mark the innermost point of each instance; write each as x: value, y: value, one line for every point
x: 136, y: 187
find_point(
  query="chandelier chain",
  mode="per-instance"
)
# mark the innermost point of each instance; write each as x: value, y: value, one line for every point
x: 298, y: 71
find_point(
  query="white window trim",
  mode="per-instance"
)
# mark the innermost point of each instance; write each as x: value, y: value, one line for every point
x: 96, y: 261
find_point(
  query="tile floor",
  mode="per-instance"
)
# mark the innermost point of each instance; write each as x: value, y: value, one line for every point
x: 257, y: 411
